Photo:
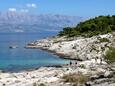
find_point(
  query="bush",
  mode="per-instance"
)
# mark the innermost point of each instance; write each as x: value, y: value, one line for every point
x: 110, y: 55
x: 42, y: 84
x: 104, y: 40
x: 75, y: 79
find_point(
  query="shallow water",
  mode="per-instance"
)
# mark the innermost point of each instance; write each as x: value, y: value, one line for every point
x: 21, y: 58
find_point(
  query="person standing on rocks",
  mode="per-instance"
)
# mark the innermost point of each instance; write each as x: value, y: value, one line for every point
x: 101, y: 60
x: 76, y: 63
x: 96, y: 59
x: 70, y: 63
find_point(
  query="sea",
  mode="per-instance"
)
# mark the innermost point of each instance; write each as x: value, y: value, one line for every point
x: 19, y: 59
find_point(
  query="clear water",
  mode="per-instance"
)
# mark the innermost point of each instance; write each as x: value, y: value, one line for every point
x: 21, y: 58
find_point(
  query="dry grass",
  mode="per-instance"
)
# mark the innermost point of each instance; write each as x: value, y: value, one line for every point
x: 75, y: 79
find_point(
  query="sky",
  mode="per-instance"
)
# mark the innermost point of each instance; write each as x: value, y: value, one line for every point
x: 83, y: 8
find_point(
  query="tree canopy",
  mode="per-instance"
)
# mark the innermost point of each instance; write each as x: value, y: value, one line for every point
x: 91, y: 27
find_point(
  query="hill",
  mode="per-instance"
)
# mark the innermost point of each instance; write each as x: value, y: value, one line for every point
x: 23, y: 22
x: 91, y: 27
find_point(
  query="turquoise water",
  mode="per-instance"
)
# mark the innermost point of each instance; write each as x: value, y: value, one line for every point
x: 21, y: 58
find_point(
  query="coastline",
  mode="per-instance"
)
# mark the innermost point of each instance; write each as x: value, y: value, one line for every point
x: 51, y: 76
x: 100, y: 73
x: 78, y: 48
x: 60, y: 55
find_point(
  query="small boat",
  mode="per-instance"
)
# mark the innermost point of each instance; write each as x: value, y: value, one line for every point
x: 12, y: 47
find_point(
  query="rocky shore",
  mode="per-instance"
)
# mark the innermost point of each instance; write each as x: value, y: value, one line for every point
x: 78, y: 48
x: 88, y: 60
x: 100, y: 75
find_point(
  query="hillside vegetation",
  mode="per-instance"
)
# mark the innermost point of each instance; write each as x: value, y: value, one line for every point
x: 110, y: 55
x: 91, y: 27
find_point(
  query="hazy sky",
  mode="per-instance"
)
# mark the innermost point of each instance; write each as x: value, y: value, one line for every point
x: 85, y: 8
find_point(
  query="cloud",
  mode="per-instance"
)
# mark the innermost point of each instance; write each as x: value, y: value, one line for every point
x: 31, y: 5
x: 12, y: 9
x: 24, y: 10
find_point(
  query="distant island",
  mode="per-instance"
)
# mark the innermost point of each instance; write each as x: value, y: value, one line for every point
x: 28, y: 23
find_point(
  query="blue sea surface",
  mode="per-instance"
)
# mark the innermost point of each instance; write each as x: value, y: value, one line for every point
x: 22, y: 59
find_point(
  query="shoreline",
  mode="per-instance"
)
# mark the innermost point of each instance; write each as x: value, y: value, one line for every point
x: 100, y: 73
x: 74, y: 49
x: 32, y: 69
x: 60, y: 55
x: 53, y: 75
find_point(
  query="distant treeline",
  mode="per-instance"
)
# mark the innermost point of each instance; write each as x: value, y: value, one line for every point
x: 91, y: 27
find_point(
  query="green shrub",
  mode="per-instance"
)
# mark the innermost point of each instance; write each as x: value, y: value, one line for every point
x: 110, y: 55
x: 104, y: 40
x: 42, y: 84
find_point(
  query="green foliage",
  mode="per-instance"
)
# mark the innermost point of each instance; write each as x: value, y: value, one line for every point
x: 42, y: 84
x: 92, y: 27
x: 110, y: 55
x: 104, y: 40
